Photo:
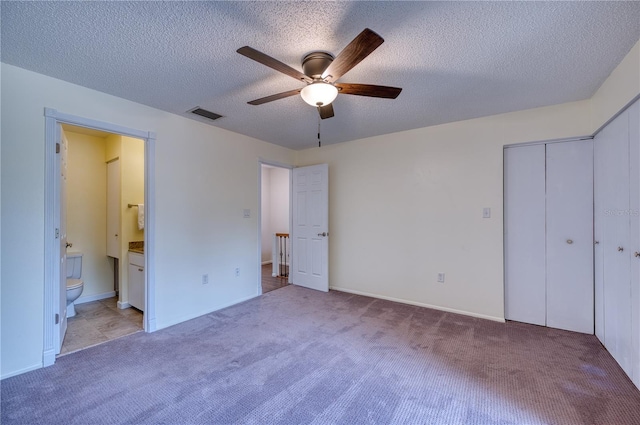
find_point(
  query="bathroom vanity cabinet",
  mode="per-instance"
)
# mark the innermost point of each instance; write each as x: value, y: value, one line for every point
x: 136, y: 280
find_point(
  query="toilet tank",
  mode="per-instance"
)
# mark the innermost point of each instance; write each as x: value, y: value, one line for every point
x: 74, y: 265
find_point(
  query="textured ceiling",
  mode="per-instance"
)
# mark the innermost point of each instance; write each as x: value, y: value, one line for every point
x: 454, y: 60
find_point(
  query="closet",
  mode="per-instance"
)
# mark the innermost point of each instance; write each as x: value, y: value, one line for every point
x: 549, y: 234
x: 617, y: 239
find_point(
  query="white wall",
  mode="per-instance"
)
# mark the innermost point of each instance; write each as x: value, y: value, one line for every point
x: 87, y: 211
x: 275, y: 206
x: 280, y: 200
x: 405, y: 206
x: 619, y: 89
x: 265, y: 212
x: 130, y: 152
x: 205, y: 177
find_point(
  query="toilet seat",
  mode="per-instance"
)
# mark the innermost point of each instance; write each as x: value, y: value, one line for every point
x: 74, y: 283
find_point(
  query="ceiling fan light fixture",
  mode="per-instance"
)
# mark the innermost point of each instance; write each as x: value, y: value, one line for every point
x: 319, y: 93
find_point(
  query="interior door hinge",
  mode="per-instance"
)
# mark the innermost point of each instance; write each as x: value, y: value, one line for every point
x: 57, y: 233
x: 57, y: 147
x: 57, y: 318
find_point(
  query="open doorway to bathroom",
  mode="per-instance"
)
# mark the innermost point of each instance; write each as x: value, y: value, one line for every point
x: 104, y: 200
x: 275, y: 222
x: 55, y: 235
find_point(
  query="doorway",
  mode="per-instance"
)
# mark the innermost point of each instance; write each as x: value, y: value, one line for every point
x: 275, y: 225
x: 54, y: 306
x: 103, y: 171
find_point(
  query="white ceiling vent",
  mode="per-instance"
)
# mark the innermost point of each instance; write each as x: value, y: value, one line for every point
x: 204, y: 113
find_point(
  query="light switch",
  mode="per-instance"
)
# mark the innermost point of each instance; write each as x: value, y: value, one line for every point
x: 246, y: 213
x: 486, y: 213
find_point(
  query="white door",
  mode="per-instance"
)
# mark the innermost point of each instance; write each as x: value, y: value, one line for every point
x: 61, y: 317
x: 615, y: 244
x: 569, y: 241
x: 599, y: 191
x: 634, y: 245
x: 310, y: 232
x: 524, y: 210
x: 113, y: 208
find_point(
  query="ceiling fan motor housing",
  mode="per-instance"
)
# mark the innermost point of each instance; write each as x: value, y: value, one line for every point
x: 314, y: 64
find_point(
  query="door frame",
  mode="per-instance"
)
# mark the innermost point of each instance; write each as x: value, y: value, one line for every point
x: 53, y: 118
x: 261, y: 162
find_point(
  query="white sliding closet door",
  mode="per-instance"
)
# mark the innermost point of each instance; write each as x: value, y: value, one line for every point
x: 616, y: 273
x: 634, y: 234
x: 524, y: 209
x: 569, y: 231
x: 599, y: 190
x: 549, y: 235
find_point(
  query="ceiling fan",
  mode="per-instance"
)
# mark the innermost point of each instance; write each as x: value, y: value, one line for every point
x: 321, y: 70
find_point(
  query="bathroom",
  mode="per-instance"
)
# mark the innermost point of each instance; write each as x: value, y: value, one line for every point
x: 105, y: 229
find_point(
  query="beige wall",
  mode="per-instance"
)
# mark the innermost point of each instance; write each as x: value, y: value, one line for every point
x: 619, y: 89
x: 130, y: 152
x: 406, y: 206
x: 86, y: 211
x: 403, y: 206
x: 275, y: 206
x: 205, y: 177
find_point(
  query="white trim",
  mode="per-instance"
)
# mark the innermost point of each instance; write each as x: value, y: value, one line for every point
x: 185, y: 318
x: 261, y: 162
x: 51, y: 201
x: 546, y: 142
x: 123, y: 305
x: 96, y: 297
x: 434, y: 307
x: 264, y: 263
x: 51, y: 245
x: 21, y: 371
x: 149, y: 316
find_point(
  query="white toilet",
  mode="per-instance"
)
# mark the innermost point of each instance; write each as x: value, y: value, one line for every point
x: 74, y: 284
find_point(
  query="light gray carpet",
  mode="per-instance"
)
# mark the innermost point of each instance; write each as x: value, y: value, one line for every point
x: 299, y: 356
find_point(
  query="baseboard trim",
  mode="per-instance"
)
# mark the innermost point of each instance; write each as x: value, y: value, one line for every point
x: 204, y: 313
x: 96, y: 297
x: 23, y: 370
x: 122, y: 305
x: 435, y: 307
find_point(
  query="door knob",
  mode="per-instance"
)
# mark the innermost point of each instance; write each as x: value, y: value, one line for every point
x: 569, y: 241
x: 323, y: 234
x: 620, y: 249
x: 636, y: 254
x: 596, y: 242
x: 69, y: 244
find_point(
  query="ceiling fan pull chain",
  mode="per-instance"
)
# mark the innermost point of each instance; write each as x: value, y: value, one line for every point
x: 319, y: 121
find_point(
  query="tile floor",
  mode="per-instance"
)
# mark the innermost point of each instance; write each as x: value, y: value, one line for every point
x: 99, y: 321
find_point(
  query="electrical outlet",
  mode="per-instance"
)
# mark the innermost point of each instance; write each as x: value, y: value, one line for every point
x: 237, y: 271
x: 441, y: 277
x: 205, y: 279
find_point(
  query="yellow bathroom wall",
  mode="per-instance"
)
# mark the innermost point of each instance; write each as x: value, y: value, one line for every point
x: 86, y: 212
x: 130, y: 152
x: 131, y: 192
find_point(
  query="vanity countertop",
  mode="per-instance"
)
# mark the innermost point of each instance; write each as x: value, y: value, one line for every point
x: 136, y: 246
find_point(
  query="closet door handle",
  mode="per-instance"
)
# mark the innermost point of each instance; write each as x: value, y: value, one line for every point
x: 569, y: 241
x: 620, y: 249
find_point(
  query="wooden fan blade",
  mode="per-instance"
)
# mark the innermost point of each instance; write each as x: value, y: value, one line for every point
x: 326, y: 111
x: 359, y: 48
x: 274, y: 97
x: 257, y: 56
x: 368, y: 90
